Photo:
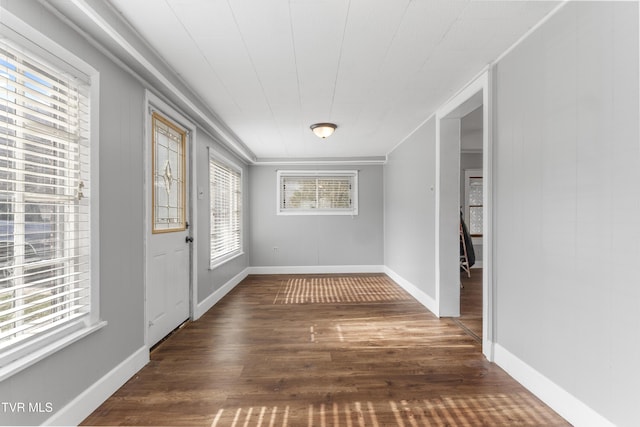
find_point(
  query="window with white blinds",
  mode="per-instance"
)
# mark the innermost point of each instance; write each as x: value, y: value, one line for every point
x: 44, y: 201
x: 225, y: 194
x: 317, y: 192
x: 473, y: 201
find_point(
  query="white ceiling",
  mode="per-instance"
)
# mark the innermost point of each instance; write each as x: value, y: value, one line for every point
x: 377, y: 68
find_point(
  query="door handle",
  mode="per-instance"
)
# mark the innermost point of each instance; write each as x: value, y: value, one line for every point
x: 188, y: 239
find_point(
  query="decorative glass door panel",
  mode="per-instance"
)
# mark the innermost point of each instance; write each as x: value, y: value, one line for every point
x: 168, y: 151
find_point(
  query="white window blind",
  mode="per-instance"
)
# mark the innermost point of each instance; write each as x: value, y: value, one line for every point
x: 473, y: 201
x: 225, y: 194
x: 475, y: 206
x: 44, y: 199
x: 317, y: 192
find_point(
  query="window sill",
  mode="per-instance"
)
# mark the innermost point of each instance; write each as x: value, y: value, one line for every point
x: 34, y: 357
x: 318, y: 212
x: 217, y: 263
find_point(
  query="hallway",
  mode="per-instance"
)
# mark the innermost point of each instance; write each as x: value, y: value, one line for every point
x: 349, y: 350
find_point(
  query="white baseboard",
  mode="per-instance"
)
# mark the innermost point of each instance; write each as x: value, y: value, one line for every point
x: 568, y: 406
x: 82, y: 406
x: 415, y: 292
x: 212, y: 299
x: 317, y: 269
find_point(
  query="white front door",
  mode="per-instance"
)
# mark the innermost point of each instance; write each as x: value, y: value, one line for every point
x: 168, y: 247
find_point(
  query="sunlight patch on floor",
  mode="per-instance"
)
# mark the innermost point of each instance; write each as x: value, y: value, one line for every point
x: 327, y: 290
x: 489, y: 409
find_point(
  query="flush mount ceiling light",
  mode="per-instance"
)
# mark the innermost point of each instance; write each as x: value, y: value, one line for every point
x: 323, y: 130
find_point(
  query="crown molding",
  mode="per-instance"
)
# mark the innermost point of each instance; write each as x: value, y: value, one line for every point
x: 105, y: 26
x: 363, y: 161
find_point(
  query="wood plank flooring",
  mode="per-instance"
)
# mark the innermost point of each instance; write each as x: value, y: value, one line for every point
x: 347, y: 350
x: 471, y: 303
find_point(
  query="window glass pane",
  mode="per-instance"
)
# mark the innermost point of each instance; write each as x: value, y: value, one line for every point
x: 475, y: 191
x: 318, y: 192
x: 475, y: 223
x: 299, y: 193
x: 44, y: 198
x: 225, y: 194
x: 334, y: 193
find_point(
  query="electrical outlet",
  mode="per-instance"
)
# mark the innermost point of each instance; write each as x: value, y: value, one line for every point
x: 275, y: 249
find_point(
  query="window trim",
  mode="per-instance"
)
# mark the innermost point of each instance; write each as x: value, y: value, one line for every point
x: 215, y: 156
x: 353, y: 174
x: 30, y: 41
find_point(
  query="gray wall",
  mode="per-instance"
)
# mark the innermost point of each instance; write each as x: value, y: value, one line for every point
x: 210, y: 281
x: 315, y: 240
x: 409, y: 200
x: 62, y: 376
x: 67, y: 373
x: 567, y: 168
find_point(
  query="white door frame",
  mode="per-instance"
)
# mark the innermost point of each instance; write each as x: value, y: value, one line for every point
x: 152, y: 101
x: 476, y: 93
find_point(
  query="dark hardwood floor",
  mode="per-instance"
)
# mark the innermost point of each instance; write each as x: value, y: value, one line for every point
x: 347, y: 350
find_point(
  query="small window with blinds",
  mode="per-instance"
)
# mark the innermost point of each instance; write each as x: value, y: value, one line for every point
x: 473, y: 200
x: 45, y: 194
x: 225, y: 194
x: 316, y: 192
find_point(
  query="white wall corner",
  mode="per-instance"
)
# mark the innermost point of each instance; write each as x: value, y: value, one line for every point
x: 568, y: 406
x: 414, y: 291
x: 89, y: 400
x: 317, y: 269
x: 216, y: 296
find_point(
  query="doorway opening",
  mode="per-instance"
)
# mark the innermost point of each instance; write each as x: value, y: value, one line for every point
x: 471, y: 214
x: 450, y: 205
